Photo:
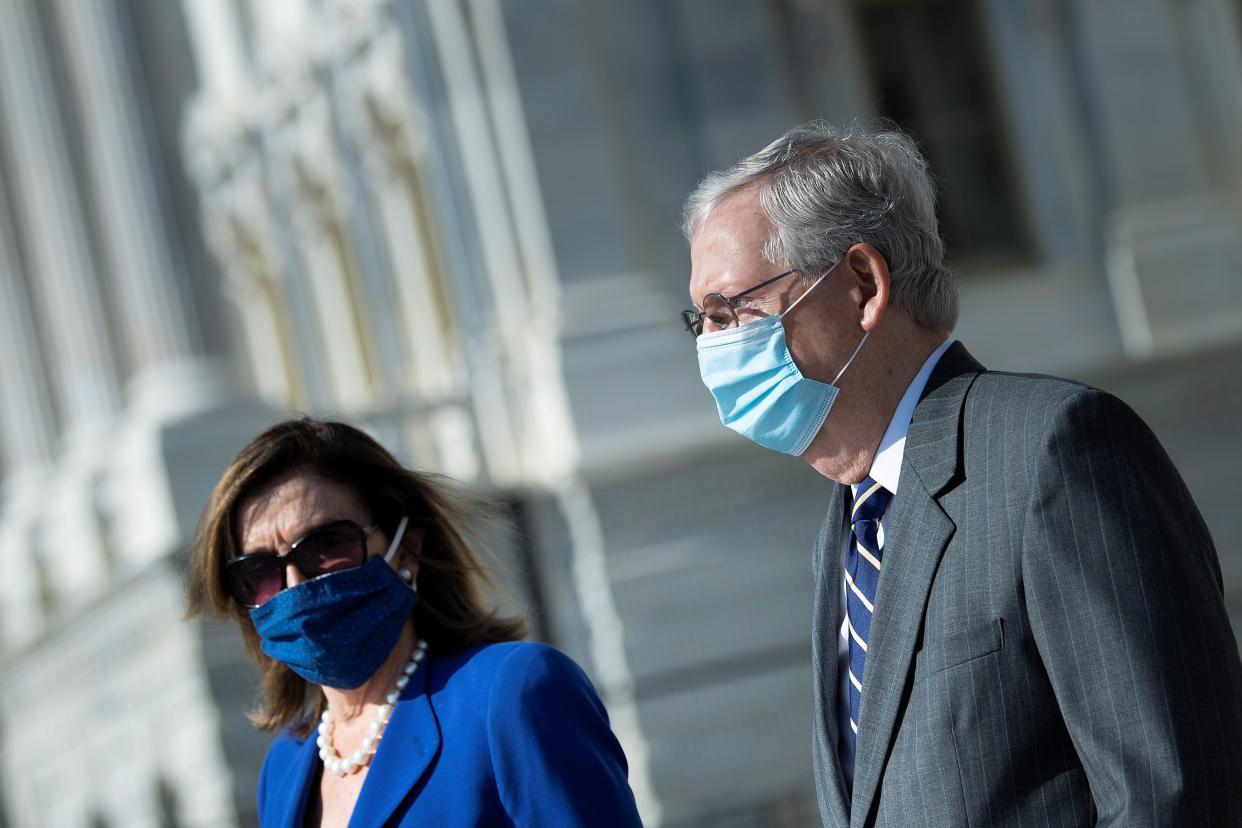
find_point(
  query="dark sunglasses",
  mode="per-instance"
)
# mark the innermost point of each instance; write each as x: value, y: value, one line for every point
x: 254, y: 579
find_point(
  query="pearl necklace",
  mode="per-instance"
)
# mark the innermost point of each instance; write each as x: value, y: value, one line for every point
x: 361, y: 757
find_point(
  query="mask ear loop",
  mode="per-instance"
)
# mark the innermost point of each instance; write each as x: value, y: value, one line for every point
x: 850, y: 361
x: 861, y: 342
x: 807, y: 292
x: 396, y: 541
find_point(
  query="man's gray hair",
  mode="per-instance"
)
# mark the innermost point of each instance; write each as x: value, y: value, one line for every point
x: 825, y: 189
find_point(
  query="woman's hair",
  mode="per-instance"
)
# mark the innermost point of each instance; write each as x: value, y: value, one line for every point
x: 451, y: 612
x: 826, y: 189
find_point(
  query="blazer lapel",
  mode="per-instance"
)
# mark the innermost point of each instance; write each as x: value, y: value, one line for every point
x: 916, y: 532
x: 829, y: 782
x: 409, y: 744
x: 296, y: 785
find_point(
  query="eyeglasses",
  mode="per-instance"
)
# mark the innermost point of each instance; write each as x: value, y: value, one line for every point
x: 254, y: 579
x: 721, y: 310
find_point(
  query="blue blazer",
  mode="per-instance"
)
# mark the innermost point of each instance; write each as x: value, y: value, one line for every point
x: 500, y: 734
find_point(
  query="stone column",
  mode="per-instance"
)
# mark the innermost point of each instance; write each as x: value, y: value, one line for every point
x: 406, y: 229
x: 171, y: 379
x: 247, y: 238
x: 215, y: 39
x: 306, y: 174
x: 65, y: 284
x: 503, y: 293
x: 65, y: 533
x: 27, y: 422
x: 27, y: 440
x: 379, y: 124
x: 283, y: 34
x: 539, y: 379
x: 239, y: 230
x: 158, y: 326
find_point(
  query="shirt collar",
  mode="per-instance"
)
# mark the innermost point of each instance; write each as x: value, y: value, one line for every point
x: 886, y: 466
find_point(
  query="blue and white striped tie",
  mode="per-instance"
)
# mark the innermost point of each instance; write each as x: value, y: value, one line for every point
x: 862, y: 576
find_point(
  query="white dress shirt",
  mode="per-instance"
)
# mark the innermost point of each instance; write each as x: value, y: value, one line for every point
x: 885, y: 470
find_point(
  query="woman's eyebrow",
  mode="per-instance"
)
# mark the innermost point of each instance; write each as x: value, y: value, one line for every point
x: 319, y: 523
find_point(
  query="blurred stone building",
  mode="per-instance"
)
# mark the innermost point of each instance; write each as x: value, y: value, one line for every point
x: 455, y: 223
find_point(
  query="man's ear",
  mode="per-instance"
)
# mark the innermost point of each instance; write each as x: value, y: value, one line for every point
x: 870, y: 273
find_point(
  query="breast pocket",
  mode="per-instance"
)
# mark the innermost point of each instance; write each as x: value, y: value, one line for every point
x: 976, y: 641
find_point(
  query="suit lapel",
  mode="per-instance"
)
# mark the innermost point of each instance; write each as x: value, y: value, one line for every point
x: 830, y: 782
x: 409, y: 744
x: 916, y: 532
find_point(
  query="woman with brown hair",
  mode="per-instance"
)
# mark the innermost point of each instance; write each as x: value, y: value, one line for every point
x: 401, y: 697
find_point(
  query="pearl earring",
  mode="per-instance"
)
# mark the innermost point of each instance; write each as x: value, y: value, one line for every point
x: 407, y: 576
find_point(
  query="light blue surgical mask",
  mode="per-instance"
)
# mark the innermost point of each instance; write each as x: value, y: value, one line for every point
x: 759, y: 391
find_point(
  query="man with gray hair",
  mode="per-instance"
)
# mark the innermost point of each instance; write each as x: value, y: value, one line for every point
x: 1018, y: 608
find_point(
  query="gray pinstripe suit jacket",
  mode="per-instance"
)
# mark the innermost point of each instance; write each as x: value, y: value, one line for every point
x: 1049, y: 644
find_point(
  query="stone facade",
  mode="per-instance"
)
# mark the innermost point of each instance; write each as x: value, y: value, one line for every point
x: 455, y: 223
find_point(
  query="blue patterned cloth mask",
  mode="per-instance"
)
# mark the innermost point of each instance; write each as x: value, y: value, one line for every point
x: 336, y: 630
x: 759, y: 391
